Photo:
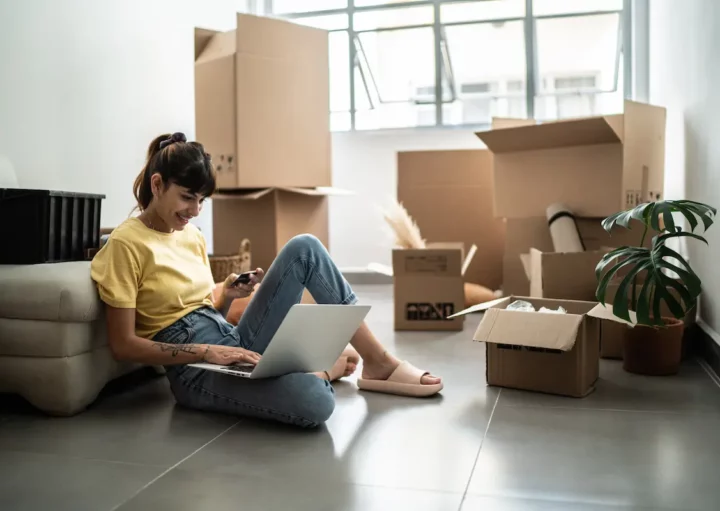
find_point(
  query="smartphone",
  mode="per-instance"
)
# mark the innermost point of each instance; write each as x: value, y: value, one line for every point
x: 244, y: 278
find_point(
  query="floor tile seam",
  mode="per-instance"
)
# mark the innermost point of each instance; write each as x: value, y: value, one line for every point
x: 611, y: 507
x: 348, y: 483
x: 477, y: 456
x: 402, y: 488
x: 172, y: 467
x: 83, y: 458
x: 699, y: 413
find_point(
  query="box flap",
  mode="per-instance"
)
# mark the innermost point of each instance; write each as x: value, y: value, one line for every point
x: 382, y: 269
x: 617, y: 123
x: 601, y: 311
x: 468, y: 259
x: 526, y: 262
x: 277, y: 38
x: 576, y: 132
x: 498, y: 123
x: 202, y: 38
x: 221, y: 44
x: 531, y: 329
x: 321, y: 191
x: 317, y: 191
x: 244, y: 195
x: 483, y: 306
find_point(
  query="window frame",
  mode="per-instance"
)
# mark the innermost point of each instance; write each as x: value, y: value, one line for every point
x: 444, y: 75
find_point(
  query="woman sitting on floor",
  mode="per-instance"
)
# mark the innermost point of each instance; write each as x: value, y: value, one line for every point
x: 154, y: 276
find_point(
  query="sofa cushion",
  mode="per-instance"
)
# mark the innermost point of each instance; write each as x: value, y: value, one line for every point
x: 61, y: 386
x: 52, y: 292
x: 37, y: 338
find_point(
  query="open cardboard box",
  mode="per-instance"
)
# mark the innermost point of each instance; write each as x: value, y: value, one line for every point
x: 595, y: 166
x: 262, y: 103
x: 543, y: 352
x: 566, y: 276
x: 269, y: 218
x: 532, y: 268
x: 428, y: 285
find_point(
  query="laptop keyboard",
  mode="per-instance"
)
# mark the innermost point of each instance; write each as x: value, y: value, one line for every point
x: 240, y: 368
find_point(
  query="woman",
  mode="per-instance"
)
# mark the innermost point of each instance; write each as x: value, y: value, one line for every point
x: 154, y: 276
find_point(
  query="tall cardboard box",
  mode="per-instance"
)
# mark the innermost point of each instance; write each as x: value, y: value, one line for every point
x: 262, y: 103
x: 542, y: 352
x: 269, y: 218
x: 596, y: 166
x: 428, y: 286
x: 450, y: 196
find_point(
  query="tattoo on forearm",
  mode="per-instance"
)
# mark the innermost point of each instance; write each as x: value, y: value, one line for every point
x: 174, y: 349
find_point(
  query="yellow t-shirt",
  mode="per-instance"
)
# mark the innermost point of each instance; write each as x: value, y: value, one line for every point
x: 164, y: 276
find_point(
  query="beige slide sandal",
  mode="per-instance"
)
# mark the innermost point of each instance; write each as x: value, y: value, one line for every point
x: 404, y: 381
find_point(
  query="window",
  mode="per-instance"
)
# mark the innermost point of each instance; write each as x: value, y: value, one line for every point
x: 579, y: 58
x: 480, y: 72
x: 296, y: 6
x: 463, y: 62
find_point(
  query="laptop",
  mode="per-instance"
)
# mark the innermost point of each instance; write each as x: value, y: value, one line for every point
x: 310, y: 339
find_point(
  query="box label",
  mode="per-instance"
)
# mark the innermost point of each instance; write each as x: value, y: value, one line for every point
x: 429, y: 311
x: 634, y: 198
x: 426, y: 264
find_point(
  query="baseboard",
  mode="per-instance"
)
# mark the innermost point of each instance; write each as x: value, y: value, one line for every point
x: 361, y: 276
x: 705, y: 344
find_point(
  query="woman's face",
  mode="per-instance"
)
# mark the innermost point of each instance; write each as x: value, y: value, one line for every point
x: 175, y: 204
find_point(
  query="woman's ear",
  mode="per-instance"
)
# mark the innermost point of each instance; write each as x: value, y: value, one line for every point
x: 156, y: 184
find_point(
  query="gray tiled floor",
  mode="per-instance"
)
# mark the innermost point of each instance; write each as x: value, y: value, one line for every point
x: 636, y: 443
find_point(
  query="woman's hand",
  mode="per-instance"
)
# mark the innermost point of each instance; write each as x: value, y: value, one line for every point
x: 228, y: 355
x: 231, y: 292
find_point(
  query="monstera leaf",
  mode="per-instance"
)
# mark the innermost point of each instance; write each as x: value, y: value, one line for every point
x: 659, y: 215
x: 654, y: 263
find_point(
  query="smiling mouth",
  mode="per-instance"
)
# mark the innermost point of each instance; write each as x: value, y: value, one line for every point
x: 183, y: 219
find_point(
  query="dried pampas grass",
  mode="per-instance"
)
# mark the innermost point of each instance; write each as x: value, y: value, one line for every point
x: 406, y: 234
x: 404, y: 229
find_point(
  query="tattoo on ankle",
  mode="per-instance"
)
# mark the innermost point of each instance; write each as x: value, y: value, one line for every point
x: 174, y: 349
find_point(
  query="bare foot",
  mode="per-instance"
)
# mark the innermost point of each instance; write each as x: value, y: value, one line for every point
x: 345, y: 365
x: 383, y: 369
x: 352, y: 359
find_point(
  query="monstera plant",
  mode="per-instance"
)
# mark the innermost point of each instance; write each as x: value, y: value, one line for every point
x: 646, y: 278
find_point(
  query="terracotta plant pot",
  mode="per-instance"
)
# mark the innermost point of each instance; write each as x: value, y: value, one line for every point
x: 654, y: 351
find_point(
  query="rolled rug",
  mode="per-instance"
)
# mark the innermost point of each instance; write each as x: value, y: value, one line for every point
x: 563, y: 229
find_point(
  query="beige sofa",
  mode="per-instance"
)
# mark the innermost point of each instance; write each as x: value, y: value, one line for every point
x: 53, y: 343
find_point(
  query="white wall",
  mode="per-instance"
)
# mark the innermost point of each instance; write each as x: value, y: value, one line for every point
x: 684, y: 74
x: 366, y: 163
x: 86, y: 84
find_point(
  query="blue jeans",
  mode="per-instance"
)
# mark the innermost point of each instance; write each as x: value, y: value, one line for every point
x: 299, y: 399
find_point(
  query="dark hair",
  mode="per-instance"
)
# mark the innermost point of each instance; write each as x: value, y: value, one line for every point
x: 177, y: 161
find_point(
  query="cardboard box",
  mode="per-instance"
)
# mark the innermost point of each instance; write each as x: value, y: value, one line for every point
x: 428, y: 286
x: 568, y: 276
x: 542, y: 352
x: 595, y: 166
x: 612, y: 333
x: 450, y: 196
x: 262, y: 103
x: 269, y: 218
